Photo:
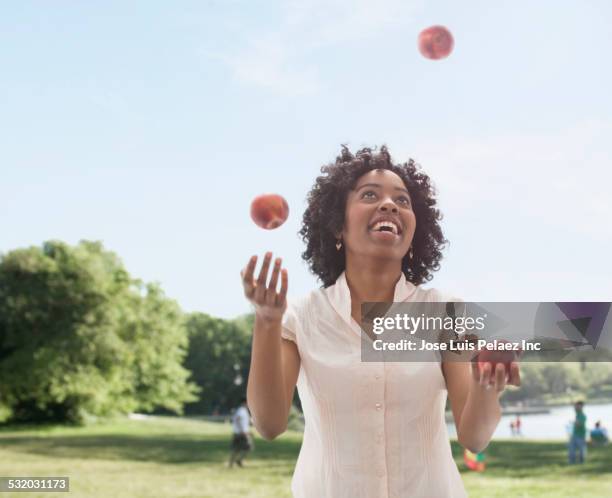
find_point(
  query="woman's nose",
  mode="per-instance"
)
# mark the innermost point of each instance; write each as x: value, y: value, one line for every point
x: 388, y: 205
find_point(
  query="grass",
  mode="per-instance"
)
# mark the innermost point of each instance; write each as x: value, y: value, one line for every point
x: 176, y: 457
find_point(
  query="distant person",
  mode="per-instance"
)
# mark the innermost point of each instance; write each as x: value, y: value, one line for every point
x: 599, y: 435
x: 512, y: 428
x: 517, y: 425
x: 577, y: 442
x: 242, y: 441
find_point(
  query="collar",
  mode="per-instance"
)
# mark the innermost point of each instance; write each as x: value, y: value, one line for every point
x: 339, y: 296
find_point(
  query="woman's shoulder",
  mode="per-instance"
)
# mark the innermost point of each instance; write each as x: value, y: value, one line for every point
x: 304, y: 310
x: 304, y: 306
x: 299, y: 312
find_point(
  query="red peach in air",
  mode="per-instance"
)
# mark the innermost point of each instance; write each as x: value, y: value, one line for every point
x: 269, y: 211
x: 436, y: 42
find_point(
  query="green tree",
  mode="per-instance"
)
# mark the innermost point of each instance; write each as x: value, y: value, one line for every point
x: 559, y: 378
x: 218, y: 358
x: 598, y: 377
x: 80, y: 338
x: 532, y: 384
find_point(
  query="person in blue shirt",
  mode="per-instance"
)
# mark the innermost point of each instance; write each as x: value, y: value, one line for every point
x: 599, y: 435
x: 577, y: 444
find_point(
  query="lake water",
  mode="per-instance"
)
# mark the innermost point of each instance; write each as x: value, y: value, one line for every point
x: 551, y: 425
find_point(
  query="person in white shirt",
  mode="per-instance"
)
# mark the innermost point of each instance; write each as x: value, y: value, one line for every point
x: 242, y: 440
x: 372, y: 429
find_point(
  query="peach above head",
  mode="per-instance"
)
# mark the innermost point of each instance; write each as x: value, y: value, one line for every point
x: 435, y: 42
x: 269, y: 211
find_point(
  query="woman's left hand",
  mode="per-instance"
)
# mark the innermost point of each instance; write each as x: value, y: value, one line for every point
x: 485, y: 379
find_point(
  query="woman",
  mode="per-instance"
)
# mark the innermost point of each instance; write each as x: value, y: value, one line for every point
x: 372, y: 429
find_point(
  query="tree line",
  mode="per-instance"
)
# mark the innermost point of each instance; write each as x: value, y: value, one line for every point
x: 81, y: 339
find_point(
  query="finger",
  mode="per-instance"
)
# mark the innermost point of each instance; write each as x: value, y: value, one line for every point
x: 263, y: 273
x: 247, y: 276
x: 500, y: 377
x: 485, y: 374
x: 271, y: 291
x: 275, y: 273
x: 515, y: 374
x: 260, y: 290
x: 247, y: 273
x: 475, y: 371
x: 282, y: 296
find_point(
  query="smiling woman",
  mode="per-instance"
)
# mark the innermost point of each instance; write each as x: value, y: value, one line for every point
x: 357, y: 180
x: 372, y: 429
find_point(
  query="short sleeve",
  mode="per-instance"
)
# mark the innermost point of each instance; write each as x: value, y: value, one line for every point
x: 290, y: 322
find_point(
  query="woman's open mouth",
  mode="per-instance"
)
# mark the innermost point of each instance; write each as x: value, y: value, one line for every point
x: 385, y: 230
x: 384, y: 235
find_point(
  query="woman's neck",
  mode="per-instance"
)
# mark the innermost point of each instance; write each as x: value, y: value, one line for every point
x: 371, y: 285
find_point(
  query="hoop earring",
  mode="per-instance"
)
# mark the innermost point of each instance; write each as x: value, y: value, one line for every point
x: 339, y: 245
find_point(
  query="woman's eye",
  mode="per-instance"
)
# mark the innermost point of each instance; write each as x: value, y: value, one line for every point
x: 403, y: 199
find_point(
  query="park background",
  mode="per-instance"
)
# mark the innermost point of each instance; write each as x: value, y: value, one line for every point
x: 134, y: 137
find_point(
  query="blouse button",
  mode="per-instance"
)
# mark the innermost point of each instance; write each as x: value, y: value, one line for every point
x: 378, y: 406
x: 377, y: 377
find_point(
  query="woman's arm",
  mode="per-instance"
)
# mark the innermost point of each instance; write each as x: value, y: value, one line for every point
x: 474, y: 401
x: 275, y: 362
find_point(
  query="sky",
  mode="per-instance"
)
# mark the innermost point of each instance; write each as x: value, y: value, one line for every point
x: 151, y: 126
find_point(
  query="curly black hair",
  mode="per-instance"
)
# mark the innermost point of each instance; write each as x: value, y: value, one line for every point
x: 324, y: 216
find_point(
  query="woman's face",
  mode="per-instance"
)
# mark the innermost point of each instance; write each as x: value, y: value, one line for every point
x: 379, y: 195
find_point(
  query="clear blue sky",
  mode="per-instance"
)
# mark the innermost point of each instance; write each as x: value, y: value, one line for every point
x: 151, y: 125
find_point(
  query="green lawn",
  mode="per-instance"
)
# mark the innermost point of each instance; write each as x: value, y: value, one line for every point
x: 176, y: 457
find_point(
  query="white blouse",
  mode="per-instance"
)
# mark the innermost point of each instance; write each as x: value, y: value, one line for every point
x: 372, y: 429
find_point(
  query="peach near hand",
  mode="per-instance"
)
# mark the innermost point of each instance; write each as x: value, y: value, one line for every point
x: 269, y: 211
x: 495, y: 357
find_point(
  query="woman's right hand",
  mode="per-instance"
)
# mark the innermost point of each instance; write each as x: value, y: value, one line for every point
x: 269, y: 304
